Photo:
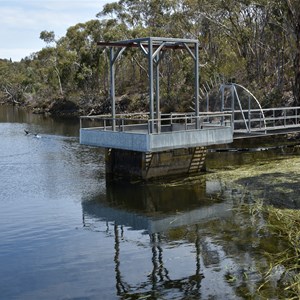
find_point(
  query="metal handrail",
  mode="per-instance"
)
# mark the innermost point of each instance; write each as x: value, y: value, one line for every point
x: 274, y: 118
x: 187, y: 120
x: 256, y: 119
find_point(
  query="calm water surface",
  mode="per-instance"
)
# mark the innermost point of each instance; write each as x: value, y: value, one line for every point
x: 66, y: 234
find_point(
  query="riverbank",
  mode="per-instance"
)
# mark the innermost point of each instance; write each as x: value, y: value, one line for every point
x: 55, y: 108
x: 75, y: 106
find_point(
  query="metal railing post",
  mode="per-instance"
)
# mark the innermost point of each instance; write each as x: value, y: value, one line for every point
x: 151, y: 87
x: 249, y: 114
x: 112, y: 88
x: 260, y: 120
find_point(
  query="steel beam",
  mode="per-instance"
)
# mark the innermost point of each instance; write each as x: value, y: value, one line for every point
x: 112, y: 87
x: 197, y: 112
x: 137, y: 45
x: 157, y: 94
x: 151, y: 89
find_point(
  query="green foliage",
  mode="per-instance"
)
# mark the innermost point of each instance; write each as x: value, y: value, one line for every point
x: 47, y: 36
x: 13, y: 82
x: 257, y: 42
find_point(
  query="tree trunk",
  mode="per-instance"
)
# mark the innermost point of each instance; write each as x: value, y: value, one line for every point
x: 293, y: 24
x: 297, y: 69
x: 59, y: 81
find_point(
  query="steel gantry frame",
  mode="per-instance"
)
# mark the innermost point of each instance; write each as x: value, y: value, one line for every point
x: 154, y: 48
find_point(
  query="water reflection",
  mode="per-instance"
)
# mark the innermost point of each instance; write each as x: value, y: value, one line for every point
x: 154, y: 208
x: 179, y: 243
x: 187, y: 241
x: 39, y: 124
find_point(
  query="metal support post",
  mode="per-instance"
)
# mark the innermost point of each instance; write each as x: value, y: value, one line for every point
x: 196, y: 53
x: 232, y: 105
x: 150, y: 58
x: 222, y: 97
x: 284, y: 121
x: 158, y: 129
x: 112, y: 89
x: 157, y: 95
x: 249, y: 113
x: 207, y: 102
x: 222, y: 101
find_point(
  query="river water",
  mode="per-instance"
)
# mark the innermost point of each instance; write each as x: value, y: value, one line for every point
x: 67, y: 234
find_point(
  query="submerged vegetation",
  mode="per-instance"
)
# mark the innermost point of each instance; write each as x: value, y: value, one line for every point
x: 263, y: 189
x: 274, y: 186
x: 285, y: 225
x: 281, y: 275
x: 257, y: 42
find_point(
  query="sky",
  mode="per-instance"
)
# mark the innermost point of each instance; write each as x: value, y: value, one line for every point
x: 22, y: 21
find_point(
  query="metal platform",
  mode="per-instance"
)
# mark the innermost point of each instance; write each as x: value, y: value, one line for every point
x: 173, y: 131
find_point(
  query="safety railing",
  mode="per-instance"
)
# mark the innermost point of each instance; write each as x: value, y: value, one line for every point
x: 267, y: 119
x: 141, y: 123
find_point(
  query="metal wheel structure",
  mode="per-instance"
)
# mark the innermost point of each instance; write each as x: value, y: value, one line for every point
x: 219, y: 95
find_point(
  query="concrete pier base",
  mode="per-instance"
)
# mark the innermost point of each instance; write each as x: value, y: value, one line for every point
x: 134, y: 165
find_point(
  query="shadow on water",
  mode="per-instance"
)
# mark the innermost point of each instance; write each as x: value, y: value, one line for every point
x: 181, y: 240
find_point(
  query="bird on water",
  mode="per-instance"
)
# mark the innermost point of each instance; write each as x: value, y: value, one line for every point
x: 29, y: 133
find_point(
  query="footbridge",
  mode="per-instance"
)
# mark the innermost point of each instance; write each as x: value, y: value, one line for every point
x: 249, y: 118
x: 153, y: 144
